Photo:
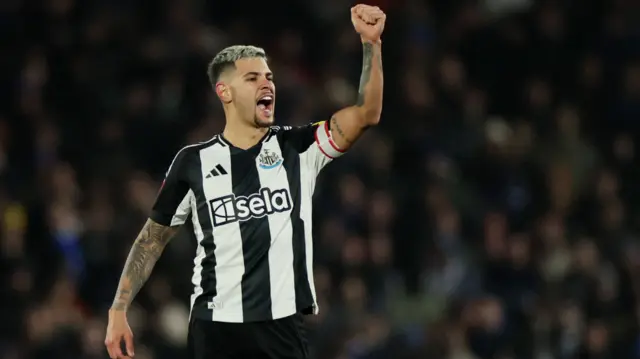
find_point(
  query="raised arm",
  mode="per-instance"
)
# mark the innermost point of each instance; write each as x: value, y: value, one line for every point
x: 349, y: 123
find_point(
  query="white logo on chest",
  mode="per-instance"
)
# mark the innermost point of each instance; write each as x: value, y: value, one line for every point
x: 229, y: 209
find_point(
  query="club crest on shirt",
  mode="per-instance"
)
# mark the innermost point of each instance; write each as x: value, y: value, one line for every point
x: 268, y: 159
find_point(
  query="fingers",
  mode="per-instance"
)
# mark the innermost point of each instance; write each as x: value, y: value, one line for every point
x: 128, y: 341
x: 114, y: 347
x: 369, y: 14
x: 381, y: 20
x: 117, y: 350
x: 107, y: 344
x: 375, y: 12
x: 378, y: 16
x: 368, y: 9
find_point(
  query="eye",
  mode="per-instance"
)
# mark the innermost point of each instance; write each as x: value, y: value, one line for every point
x: 252, y: 79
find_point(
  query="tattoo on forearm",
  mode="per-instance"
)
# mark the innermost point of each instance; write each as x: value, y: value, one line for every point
x: 365, y: 76
x: 143, y: 256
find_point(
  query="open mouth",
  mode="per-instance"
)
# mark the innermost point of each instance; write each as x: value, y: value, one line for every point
x: 265, y: 105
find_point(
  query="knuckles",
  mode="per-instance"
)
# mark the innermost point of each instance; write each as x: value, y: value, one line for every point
x: 370, y: 15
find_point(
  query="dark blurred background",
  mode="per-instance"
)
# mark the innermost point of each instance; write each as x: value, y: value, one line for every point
x: 493, y: 214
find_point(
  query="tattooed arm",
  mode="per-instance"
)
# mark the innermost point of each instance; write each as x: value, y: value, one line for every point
x: 349, y: 123
x: 169, y: 212
x: 144, y: 254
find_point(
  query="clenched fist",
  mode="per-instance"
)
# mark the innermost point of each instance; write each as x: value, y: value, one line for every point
x: 368, y: 22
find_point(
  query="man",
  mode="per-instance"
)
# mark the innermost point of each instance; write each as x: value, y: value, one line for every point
x: 248, y: 193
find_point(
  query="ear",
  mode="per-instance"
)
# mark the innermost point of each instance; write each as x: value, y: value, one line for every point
x: 223, y: 92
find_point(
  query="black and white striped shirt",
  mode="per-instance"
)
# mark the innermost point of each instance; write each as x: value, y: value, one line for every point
x: 251, y: 214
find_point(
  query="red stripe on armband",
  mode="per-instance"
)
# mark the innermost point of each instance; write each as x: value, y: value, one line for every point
x: 331, y: 142
x: 319, y: 146
x: 326, y: 143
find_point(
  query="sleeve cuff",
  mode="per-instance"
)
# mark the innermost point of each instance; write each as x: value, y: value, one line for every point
x: 161, y: 218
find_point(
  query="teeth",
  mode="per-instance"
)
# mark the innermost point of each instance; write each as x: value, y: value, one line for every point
x: 268, y: 98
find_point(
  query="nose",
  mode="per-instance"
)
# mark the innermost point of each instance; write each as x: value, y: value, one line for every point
x: 265, y: 83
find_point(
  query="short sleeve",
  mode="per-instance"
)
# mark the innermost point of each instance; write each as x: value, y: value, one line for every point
x: 315, y: 145
x: 173, y: 203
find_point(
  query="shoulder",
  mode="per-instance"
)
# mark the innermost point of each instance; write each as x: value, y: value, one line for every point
x: 191, y: 151
x: 299, y: 137
x: 199, y: 146
x: 284, y: 129
x: 290, y: 132
x: 276, y: 130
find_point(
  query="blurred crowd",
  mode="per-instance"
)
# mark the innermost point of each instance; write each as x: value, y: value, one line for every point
x: 493, y: 214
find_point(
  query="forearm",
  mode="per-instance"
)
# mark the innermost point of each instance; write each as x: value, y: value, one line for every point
x: 371, y: 83
x: 144, y: 254
x: 349, y: 123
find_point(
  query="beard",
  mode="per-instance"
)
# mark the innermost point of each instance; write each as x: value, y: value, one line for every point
x: 262, y: 123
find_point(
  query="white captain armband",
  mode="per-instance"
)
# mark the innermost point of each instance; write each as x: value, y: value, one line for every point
x: 326, y: 144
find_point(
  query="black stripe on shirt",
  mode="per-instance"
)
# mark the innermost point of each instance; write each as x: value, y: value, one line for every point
x: 256, y: 239
x: 304, y: 298
x: 208, y: 281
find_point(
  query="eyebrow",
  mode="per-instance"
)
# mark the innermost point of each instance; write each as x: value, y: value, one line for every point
x: 254, y: 73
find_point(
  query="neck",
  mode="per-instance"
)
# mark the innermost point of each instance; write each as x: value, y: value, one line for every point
x: 242, y: 135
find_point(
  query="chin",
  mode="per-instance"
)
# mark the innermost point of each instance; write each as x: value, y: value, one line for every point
x: 264, y: 121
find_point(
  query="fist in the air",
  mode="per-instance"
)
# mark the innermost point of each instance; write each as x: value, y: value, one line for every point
x: 368, y: 22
